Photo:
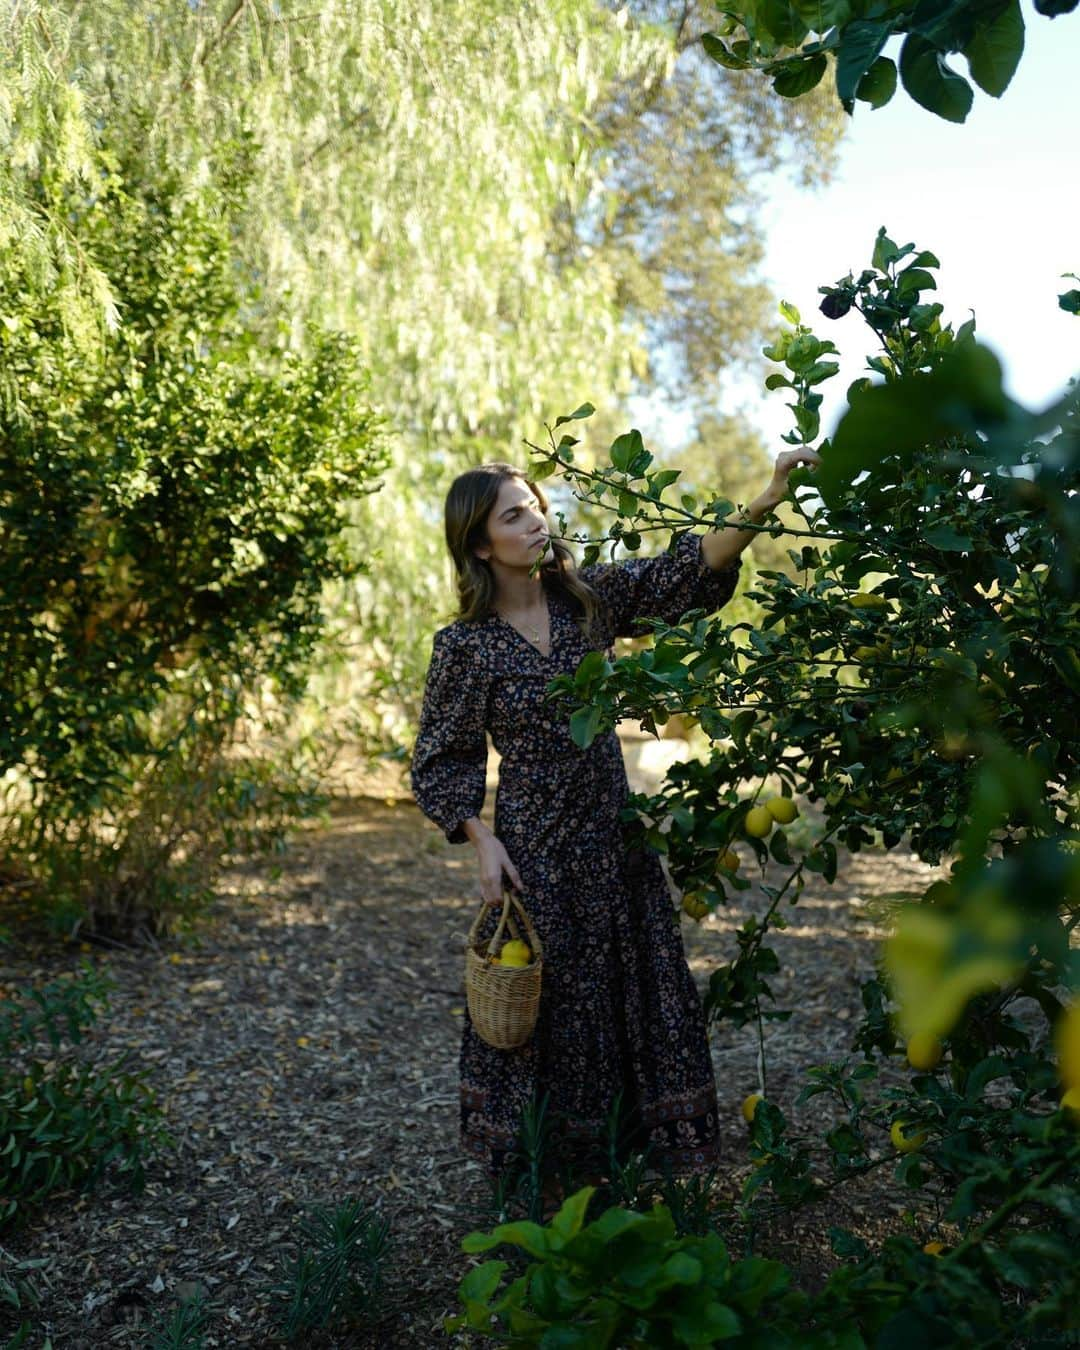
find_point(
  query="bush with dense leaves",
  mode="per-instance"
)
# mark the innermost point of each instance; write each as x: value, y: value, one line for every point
x: 173, y: 505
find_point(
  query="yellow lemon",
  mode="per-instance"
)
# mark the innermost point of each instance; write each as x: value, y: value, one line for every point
x: 515, y: 953
x: 904, y: 1142
x: 782, y: 809
x: 729, y: 859
x: 924, y: 1051
x: 758, y: 822
x: 934, y: 1248
x: 694, y: 905
x: 750, y: 1105
x: 1067, y: 1041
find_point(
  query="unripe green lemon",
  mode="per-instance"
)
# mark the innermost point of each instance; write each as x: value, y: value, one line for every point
x: 782, y: 809
x: 695, y: 906
x: 729, y: 859
x: 758, y: 822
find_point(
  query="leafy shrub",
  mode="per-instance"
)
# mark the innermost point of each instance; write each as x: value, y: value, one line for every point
x: 173, y: 506
x: 336, y: 1276
x: 627, y: 1279
x: 62, y: 1121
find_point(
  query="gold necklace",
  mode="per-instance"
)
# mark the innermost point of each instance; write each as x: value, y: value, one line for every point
x: 532, y: 632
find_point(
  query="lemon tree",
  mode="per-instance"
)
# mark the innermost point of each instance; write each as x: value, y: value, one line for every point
x: 903, y: 684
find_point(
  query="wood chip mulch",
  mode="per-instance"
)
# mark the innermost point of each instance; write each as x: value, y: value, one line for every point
x: 303, y: 1043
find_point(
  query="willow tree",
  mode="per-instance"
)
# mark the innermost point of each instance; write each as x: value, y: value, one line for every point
x: 483, y: 195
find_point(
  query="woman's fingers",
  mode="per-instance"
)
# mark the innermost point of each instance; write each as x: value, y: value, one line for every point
x: 786, y: 460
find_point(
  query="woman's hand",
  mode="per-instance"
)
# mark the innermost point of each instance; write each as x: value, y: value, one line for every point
x: 786, y: 460
x: 494, y: 863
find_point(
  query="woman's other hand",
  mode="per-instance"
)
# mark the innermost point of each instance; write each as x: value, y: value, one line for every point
x: 494, y: 863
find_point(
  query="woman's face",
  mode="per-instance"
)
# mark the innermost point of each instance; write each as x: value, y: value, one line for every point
x: 516, y: 527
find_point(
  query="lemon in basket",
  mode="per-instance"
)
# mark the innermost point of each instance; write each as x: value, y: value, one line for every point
x: 516, y: 954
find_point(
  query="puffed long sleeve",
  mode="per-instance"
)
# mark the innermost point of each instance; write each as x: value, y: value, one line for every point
x: 663, y: 587
x: 449, y: 762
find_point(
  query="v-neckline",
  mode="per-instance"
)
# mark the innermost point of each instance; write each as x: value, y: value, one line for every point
x: 544, y: 656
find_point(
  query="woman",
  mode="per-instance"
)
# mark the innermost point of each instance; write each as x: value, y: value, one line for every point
x: 620, y: 1013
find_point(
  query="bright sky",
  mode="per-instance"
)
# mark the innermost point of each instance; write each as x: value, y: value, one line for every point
x: 997, y: 199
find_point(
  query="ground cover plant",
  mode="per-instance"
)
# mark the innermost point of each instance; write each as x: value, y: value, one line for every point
x: 64, y: 1122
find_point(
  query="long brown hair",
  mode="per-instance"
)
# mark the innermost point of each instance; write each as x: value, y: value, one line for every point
x: 469, y: 502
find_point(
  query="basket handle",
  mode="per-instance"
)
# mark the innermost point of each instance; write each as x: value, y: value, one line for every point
x: 506, y: 920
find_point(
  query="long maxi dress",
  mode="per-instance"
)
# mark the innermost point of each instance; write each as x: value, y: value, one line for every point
x: 619, y: 1009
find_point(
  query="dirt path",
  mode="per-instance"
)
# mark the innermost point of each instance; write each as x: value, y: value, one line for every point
x: 304, y: 1046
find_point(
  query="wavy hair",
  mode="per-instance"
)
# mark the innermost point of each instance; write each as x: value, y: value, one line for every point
x: 469, y: 502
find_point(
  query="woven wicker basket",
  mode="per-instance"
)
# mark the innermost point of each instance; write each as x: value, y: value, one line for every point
x: 503, y: 1001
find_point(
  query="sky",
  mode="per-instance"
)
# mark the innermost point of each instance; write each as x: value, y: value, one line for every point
x: 997, y: 199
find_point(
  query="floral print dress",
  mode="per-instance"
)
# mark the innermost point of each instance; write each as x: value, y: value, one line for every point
x: 620, y: 1012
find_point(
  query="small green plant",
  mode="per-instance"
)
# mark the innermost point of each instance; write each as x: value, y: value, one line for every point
x: 336, y: 1276
x: 18, y: 1294
x: 63, y: 1121
x: 184, y: 1328
x: 627, y: 1279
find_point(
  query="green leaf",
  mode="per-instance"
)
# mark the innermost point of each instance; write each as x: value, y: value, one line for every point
x: 885, y: 251
x: 568, y: 1221
x: 584, y: 724
x: 720, y: 54
x: 931, y: 83
x: 1070, y: 302
x: 662, y: 480
x: 878, y: 85
x: 799, y: 75
x: 790, y: 312
x: 819, y: 371
x: 778, y: 381
x: 625, y: 448
x: 586, y: 410
x: 530, y: 1237
x: 860, y: 48
x: 995, y: 50
x: 482, y: 1281
x: 947, y: 539
x: 821, y: 15
x: 915, y: 279
x: 781, y: 20
x: 589, y: 667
